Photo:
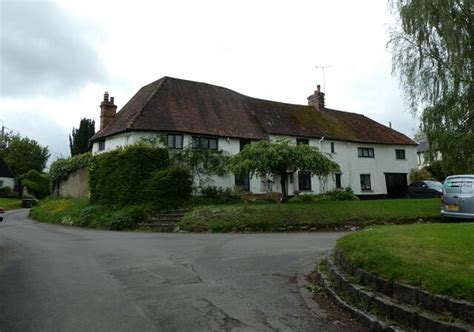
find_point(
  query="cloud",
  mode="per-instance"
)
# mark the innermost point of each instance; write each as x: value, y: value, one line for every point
x: 46, y: 50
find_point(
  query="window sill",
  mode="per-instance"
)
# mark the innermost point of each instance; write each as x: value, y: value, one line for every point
x: 367, y: 190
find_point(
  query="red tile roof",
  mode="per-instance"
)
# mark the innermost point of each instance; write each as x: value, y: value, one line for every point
x: 175, y: 105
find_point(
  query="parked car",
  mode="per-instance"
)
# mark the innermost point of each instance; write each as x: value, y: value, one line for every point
x: 2, y: 210
x: 458, y: 197
x: 424, y: 189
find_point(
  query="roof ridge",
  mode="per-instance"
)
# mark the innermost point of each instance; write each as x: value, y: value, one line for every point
x: 152, y: 94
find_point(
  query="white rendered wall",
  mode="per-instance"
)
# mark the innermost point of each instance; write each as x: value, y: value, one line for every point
x: 7, y: 182
x: 345, y: 154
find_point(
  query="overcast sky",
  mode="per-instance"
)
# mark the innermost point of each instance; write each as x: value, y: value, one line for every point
x: 58, y: 57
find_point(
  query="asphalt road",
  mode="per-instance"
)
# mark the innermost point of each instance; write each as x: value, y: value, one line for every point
x: 54, y: 278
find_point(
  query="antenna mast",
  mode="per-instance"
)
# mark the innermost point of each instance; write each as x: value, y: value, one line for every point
x: 324, y: 76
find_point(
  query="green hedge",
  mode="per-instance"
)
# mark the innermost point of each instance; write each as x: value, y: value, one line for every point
x: 168, y: 189
x: 117, y: 177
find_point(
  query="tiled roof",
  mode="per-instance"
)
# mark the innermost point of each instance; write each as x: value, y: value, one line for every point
x: 171, y: 104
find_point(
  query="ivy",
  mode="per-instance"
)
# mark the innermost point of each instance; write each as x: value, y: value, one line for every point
x: 62, y: 168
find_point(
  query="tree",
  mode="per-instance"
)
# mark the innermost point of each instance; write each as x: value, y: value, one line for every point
x: 433, y: 53
x: 276, y: 159
x: 79, y: 138
x: 22, y: 154
x: 36, y: 182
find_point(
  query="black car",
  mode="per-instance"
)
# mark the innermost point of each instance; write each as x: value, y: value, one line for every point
x: 425, y: 189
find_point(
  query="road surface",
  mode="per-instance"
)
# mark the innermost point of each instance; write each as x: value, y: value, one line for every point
x: 54, y: 278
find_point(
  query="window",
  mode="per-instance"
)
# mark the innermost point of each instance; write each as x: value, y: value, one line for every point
x: 175, y: 141
x: 1, y: 183
x: 243, y: 143
x: 304, y: 181
x: 365, y: 182
x: 101, y: 145
x: 201, y: 142
x: 243, y: 181
x: 332, y: 148
x: 400, y: 154
x: 365, y: 152
x: 302, y: 141
x: 338, y: 180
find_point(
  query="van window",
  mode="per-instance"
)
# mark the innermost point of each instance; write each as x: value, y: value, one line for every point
x: 459, y: 185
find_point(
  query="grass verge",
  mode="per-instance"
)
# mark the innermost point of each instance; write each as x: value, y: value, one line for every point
x: 436, y: 257
x: 10, y: 203
x: 322, y: 215
x: 79, y: 212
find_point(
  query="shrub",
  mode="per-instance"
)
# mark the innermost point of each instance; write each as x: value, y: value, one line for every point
x: 117, y: 177
x: 420, y: 175
x: 218, y: 195
x: 6, y: 192
x: 37, y: 183
x: 121, y: 221
x: 168, y: 189
x: 342, y: 195
x: 87, y: 216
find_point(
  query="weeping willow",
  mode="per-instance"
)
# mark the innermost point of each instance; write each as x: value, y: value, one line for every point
x: 432, y: 45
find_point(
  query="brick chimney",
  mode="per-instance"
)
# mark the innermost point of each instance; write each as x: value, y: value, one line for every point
x: 317, y: 99
x: 108, y: 111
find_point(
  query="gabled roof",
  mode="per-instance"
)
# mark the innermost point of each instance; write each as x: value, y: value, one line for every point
x: 176, y: 105
x: 4, y: 170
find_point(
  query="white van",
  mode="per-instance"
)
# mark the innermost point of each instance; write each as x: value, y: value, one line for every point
x: 458, y: 196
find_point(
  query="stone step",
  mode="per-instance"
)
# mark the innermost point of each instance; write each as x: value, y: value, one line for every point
x: 388, y: 309
x: 403, y: 293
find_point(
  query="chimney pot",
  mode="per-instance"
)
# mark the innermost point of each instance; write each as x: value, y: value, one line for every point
x: 106, y: 96
x: 108, y: 111
x: 318, y: 88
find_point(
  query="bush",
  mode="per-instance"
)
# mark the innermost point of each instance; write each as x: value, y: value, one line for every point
x: 167, y: 189
x: 37, y: 183
x: 345, y: 194
x: 117, y: 177
x: 218, y: 195
x: 87, y: 216
x: 121, y: 221
x: 7, y: 192
x: 420, y: 175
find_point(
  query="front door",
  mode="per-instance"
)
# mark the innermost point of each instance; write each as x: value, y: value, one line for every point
x: 396, y: 184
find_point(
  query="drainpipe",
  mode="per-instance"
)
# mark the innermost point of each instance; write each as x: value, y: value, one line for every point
x: 320, y: 141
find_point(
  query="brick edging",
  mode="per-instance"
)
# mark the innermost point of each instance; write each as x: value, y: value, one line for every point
x: 412, y: 295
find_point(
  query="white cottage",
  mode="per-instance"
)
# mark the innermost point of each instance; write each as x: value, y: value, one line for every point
x: 375, y: 160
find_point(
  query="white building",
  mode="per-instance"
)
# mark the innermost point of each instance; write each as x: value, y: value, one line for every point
x: 374, y: 160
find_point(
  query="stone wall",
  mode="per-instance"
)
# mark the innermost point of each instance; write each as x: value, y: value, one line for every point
x: 77, y: 185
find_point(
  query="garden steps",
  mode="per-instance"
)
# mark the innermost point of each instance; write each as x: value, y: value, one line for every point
x: 166, y: 221
x: 382, y: 312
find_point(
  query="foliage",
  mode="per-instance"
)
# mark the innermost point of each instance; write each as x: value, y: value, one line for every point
x: 433, y: 256
x: 218, y: 195
x: 116, y: 177
x: 79, y: 138
x: 7, y: 192
x: 37, y: 183
x: 167, y: 189
x: 266, y: 158
x: 203, y: 163
x: 10, y: 203
x: 62, y: 168
x: 308, y: 216
x: 433, y: 51
x: 345, y: 194
x: 420, y: 175
x: 436, y: 169
x: 78, y: 212
x: 22, y: 154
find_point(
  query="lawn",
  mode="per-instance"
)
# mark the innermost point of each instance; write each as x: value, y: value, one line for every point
x: 10, y: 203
x: 309, y: 215
x: 436, y: 257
